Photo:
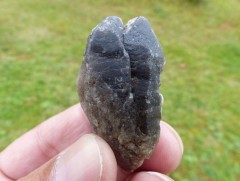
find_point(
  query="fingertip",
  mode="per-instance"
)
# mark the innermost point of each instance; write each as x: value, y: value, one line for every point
x: 174, y: 134
x: 168, y: 152
x: 90, y: 158
x: 82, y: 160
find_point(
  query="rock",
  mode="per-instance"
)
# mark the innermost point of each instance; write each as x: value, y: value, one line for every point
x: 118, y: 87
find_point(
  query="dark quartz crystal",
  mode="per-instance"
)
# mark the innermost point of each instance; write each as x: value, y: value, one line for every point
x: 118, y: 87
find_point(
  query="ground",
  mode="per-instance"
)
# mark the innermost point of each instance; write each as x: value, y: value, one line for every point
x: 41, y: 48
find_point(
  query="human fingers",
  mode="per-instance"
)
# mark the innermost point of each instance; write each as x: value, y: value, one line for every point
x: 149, y: 176
x: 43, y: 142
x: 89, y: 158
x: 58, y: 132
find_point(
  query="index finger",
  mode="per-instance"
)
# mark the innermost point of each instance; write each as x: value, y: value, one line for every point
x: 43, y: 142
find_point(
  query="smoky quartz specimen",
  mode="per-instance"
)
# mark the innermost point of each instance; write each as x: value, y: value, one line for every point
x: 118, y: 87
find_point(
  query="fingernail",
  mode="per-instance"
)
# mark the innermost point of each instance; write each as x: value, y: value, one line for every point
x: 175, y: 134
x: 160, y: 176
x: 81, y: 161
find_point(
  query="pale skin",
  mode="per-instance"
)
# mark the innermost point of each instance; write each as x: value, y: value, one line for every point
x: 64, y: 148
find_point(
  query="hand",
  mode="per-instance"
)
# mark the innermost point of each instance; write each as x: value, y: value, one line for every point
x: 64, y: 148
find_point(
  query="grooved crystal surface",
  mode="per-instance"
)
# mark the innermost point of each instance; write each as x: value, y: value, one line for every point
x: 118, y: 86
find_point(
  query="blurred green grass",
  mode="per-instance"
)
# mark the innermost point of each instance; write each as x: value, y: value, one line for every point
x: 42, y: 44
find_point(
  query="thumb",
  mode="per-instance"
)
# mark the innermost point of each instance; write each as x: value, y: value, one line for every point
x: 89, y: 158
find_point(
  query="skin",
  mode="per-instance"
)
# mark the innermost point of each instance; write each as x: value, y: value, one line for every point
x: 64, y: 148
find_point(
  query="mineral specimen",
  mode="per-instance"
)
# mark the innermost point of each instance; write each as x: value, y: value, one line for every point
x: 118, y: 87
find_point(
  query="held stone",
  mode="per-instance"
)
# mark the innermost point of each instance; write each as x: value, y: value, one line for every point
x: 118, y: 87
